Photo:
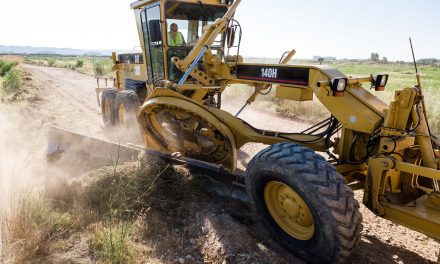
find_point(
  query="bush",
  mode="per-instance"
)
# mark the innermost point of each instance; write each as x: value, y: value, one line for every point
x: 112, y: 244
x: 12, y: 81
x: 51, y: 62
x: 6, y: 67
x: 79, y: 63
x: 99, y: 68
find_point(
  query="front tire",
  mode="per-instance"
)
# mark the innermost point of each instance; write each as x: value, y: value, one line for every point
x: 304, y: 202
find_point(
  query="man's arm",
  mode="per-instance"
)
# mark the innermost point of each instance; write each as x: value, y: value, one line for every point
x: 183, y: 39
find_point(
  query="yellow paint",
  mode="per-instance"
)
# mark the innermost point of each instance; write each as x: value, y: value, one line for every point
x: 289, y: 210
x: 121, y: 116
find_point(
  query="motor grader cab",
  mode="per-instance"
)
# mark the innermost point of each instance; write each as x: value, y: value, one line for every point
x: 305, y: 198
x: 136, y: 77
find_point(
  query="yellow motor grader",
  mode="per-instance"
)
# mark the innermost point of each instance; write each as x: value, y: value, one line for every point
x: 304, y: 198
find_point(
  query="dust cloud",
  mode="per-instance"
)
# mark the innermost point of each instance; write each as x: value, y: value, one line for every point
x: 22, y: 161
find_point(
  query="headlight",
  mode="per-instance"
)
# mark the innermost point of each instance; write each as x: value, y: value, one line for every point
x: 228, y: 2
x: 380, y: 82
x: 338, y: 86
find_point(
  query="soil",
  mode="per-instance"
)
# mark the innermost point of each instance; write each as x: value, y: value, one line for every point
x: 222, y: 231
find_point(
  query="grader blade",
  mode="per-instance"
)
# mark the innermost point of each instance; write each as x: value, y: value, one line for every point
x: 65, y: 142
x: 88, y: 153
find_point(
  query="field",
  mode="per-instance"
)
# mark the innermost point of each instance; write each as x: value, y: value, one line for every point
x: 147, y: 211
x: 97, y: 66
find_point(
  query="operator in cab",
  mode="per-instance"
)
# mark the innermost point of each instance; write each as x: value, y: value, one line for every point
x: 175, y: 37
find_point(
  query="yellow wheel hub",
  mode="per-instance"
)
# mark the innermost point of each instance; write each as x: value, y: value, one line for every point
x: 121, y: 116
x: 289, y: 210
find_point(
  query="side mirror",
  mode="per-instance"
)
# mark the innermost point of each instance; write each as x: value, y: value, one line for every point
x: 230, y: 36
x: 154, y: 29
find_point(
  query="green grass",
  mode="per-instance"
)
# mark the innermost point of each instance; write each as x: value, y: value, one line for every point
x: 10, y: 77
x: 112, y: 244
x: 12, y: 81
x: 6, y: 66
x: 401, y: 75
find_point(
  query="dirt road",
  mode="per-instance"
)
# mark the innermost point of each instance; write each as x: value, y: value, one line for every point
x: 68, y: 100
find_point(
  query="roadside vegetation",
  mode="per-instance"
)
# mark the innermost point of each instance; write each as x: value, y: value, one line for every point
x: 10, y: 77
x: 107, y: 205
x: 31, y: 226
x: 95, y: 66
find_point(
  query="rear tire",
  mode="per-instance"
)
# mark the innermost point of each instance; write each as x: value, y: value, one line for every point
x: 289, y: 169
x: 126, y: 106
x: 108, y: 98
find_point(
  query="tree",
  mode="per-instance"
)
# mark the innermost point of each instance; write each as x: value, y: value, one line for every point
x: 385, y: 60
x: 320, y: 60
x: 374, y: 56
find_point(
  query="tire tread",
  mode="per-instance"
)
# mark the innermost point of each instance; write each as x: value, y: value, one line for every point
x: 321, y: 178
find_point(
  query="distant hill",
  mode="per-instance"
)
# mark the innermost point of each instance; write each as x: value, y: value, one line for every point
x: 51, y: 50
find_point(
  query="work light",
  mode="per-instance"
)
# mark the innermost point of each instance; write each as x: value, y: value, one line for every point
x: 338, y: 86
x: 380, y: 82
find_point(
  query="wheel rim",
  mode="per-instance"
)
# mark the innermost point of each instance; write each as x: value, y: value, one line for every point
x: 289, y: 210
x: 121, y: 116
x: 107, y: 110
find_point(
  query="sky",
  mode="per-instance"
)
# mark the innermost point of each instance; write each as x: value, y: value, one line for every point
x: 339, y: 28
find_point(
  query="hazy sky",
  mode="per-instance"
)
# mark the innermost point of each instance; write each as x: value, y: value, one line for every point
x: 341, y: 28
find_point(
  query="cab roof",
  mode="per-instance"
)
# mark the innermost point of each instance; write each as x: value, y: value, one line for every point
x: 141, y: 3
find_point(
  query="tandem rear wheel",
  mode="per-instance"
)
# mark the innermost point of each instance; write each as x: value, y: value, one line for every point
x: 304, y: 202
x: 126, y: 105
x: 119, y: 108
x: 108, y: 98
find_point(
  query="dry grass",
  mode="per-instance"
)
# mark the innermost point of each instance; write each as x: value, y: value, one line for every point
x: 30, y: 228
x: 111, y: 203
x: 119, y: 191
x: 120, y: 197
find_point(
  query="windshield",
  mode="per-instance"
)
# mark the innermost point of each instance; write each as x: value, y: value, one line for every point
x: 185, y: 22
